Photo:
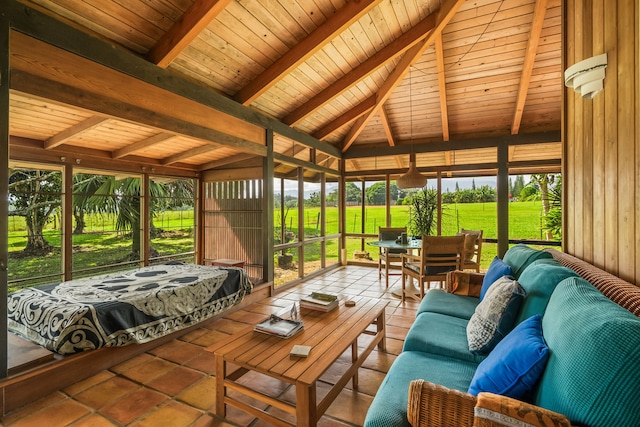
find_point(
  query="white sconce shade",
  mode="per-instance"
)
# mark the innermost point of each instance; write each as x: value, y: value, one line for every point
x: 587, y: 76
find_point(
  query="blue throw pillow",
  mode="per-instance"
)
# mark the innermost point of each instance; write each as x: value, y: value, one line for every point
x: 515, y: 364
x: 496, y: 270
x: 495, y: 315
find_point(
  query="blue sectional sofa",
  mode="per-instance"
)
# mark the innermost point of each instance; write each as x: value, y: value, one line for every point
x: 590, y: 372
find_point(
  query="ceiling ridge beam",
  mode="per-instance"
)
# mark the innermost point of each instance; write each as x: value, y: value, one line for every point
x: 391, y: 51
x: 442, y: 85
x: 311, y: 44
x: 200, y: 14
x: 139, y: 145
x: 444, y: 15
x: 78, y: 129
x: 529, y: 61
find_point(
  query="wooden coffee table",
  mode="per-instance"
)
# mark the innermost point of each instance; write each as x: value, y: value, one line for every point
x: 328, y: 334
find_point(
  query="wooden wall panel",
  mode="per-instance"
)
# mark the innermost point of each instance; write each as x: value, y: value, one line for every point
x: 602, y: 143
x: 232, y: 222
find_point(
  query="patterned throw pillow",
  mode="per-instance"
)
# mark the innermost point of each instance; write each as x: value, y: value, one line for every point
x: 495, y: 315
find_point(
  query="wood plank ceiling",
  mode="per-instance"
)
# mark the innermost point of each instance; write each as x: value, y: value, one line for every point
x: 362, y: 75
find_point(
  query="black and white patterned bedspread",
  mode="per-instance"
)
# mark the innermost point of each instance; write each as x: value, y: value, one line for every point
x: 122, y: 308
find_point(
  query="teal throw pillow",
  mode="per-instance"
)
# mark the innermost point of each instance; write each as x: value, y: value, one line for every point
x: 495, y: 315
x: 496, y: 270
x: 514, y: 366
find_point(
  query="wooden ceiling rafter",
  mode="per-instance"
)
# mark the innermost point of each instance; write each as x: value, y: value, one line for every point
x: 74, y: 131
x: 384, y: 118
x: 391, y: 51
x: 226, y: 161
x: 529, y: 61
x: 302, y: 51
x: 140, y: 145
x: 187, y: 154
x: 444, y: 15
x: 199, y: 15
x: 442, y: 86
x: 362, y: 108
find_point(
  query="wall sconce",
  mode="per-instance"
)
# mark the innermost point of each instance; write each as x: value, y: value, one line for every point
x: 586, y: 77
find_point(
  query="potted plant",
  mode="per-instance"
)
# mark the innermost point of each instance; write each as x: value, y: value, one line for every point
x: 424, y: 205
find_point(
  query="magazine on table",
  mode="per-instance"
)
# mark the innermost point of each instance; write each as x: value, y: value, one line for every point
x: 319, y: 301
x: 279, y: 327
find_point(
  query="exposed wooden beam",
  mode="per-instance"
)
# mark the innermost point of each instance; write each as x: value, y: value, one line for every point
x: 200, y: 14
x: 333, y: 26
x: 394, y: 49
x: 442, y: 86
x: 58, y: 92
x: 529, y: 61
x: 551, y: 165
x: 74, y: 131
x: 384, y: 119
x: 189, y: 153
x: 42, y: 27
x: 462, y: 144
x: 357, y: 111
x: 140, y: 145
x: 226, y: 161
x: 444, y: 15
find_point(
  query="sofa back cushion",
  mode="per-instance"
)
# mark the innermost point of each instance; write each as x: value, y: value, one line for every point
x: 593, y: 370
x: 520, y: 256
x: 539, y: 280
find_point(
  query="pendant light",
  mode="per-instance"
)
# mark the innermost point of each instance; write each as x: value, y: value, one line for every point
x: 412, y: 178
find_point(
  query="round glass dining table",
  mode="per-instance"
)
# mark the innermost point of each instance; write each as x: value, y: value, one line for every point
x: 396, y: 291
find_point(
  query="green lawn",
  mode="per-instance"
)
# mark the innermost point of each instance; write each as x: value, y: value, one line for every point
x: 101, y: 245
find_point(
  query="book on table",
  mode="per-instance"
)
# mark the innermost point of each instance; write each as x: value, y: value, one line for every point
x: 277, y: 326
x: 319, y: 301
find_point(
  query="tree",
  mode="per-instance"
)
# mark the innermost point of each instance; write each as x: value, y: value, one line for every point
x: 35, y: 194
x: 313, y: 200
x: 376, y: 194
x: 542, y: 182
x: 518, y: 185
x: 353, y: 193
x: 553, y: 219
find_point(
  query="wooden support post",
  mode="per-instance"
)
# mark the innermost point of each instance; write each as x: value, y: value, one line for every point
x: 4, y: 190
x: 503, y: 199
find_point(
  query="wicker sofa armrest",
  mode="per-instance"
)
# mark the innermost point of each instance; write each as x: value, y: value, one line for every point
x: 464, y: 283
x: 434, y: 405
x: 493, y: 410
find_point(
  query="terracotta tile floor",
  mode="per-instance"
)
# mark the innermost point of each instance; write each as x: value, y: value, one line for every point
x: 174, y: 384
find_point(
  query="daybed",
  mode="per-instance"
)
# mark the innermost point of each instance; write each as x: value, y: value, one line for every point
x: 122, y: 308
x: 569, y: 355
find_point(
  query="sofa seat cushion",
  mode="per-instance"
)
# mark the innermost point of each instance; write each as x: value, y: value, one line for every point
x: 539, y: 280
x: 389, y: 407
x: 440, y: 334
x: 439, y: 301
x: 513, y: 368
x: 520, y: 256
x: 592, y: 374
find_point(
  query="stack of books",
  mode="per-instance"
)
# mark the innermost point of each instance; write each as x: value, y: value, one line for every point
x: 277, y: 326
x: 319, y: 301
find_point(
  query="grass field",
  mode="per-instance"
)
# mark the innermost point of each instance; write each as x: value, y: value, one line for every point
x: 101, y: 245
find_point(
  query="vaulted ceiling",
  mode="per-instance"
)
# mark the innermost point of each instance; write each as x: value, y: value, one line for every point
x: 373, y: 80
